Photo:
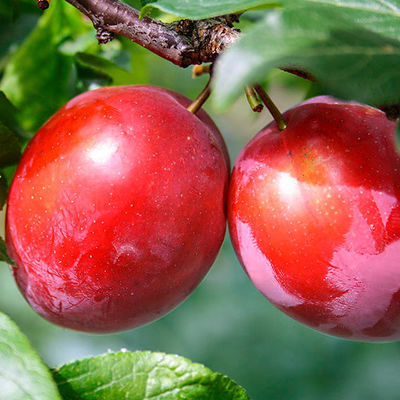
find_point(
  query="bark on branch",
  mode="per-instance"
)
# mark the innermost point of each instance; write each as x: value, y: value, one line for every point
x: 184, y: 43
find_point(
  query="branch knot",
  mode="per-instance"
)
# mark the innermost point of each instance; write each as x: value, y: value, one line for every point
x: 103, y: 36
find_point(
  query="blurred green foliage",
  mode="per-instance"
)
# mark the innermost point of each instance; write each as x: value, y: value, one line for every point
x: 226, y: 324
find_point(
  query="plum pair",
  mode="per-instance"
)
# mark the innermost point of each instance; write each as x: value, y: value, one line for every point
x: 117, y: 211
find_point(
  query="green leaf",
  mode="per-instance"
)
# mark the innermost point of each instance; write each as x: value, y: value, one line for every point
x: 348, y: 60
x: 138, y: 4
x: 8, y: 116
x: 12, y: 9
x: 5, y: 258
x: 13, y: 33
x: 37, y: 78
x: 143, y: 375
x: 3, y: 190
x: 10, y: 147
x: 23, y: 376
x: 379, y: 16
x: 11, y: 134
x: 105, y: 68
x: 199, y: 9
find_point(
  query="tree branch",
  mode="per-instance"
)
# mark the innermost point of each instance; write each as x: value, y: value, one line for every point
x: 184, y: 42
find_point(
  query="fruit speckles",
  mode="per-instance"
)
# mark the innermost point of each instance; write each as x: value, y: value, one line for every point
x: 317, y: 226
x: 114, y: 216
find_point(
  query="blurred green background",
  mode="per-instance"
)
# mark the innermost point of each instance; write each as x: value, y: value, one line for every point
x: 226, y: 324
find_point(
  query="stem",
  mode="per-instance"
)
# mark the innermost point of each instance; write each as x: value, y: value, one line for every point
x: 253, y: 99
x: 277, y: 115
x: 199, y: 70
x: 201, y: 99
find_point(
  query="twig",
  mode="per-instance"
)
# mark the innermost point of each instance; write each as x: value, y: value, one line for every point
x: 272, y: 108
x: 184, y: 42
x: 253, y: 99
x: 199, y: 70
x: 201, y: 99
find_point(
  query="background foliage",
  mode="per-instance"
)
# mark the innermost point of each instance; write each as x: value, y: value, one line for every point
x: 353, y: 48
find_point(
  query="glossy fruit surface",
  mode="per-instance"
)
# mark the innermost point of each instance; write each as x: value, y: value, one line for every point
x: 314, y: 217
x: 116, y: 211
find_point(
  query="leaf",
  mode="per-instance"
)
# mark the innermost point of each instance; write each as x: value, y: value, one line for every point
x: 348, y: 60
x: 380, y: 16
x: 12, y: 33
x: 11, y: 134
x: 37, y: 77
x: 199, y: 9
x: 10, y: 147
x: 23, y: 376
x: 5, y: 258
x: 135, y: 3
x: 143, y: 375
x: 8, y: 116
x: 106, y: 68
x: 3, y: 190
x: 12, y: 9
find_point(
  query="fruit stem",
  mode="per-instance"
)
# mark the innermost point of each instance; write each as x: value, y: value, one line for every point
x: 272, y: 108
x: 253, y: 99
x: 199, y: 70
x: 201, y: 99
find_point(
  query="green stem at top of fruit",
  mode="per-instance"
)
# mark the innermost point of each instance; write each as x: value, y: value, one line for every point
x: 202, y: 69
x: 200, y: 99
x: 272, y: 108
x: 253, y: 99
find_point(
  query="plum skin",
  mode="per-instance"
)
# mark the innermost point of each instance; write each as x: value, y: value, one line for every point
x: 117, y: 209
x: 314, y: 218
